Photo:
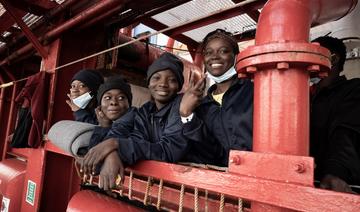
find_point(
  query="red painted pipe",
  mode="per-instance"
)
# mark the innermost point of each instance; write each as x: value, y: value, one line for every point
x: 104, y: 15
x: 94, y: 11
x: 170, y: 45
x: 281, y: 101
x: 281, y: 97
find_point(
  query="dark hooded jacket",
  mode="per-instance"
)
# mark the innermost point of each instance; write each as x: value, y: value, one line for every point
x: 335, y: 130
x: 157, y: 135
x: 216, y: 129
x: 87, y: 115
x: 121, y: 128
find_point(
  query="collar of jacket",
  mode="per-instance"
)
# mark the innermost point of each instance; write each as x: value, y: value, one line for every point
x: 163, y: 111
x: 209, y: 98
x: 334, y: 85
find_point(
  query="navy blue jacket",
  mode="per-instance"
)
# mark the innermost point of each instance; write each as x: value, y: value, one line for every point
x: 157, y: 135
x: 86, y: 115
x: 121, y: 128
x: 215, y: 128
x: 335, y: 130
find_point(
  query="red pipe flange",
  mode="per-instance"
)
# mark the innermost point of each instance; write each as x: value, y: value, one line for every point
x: 282, y: 56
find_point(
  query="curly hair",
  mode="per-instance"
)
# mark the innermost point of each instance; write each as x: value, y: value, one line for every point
x: 334, y: 45
x: 222, y: 34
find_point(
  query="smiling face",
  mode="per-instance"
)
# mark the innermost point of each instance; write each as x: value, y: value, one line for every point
x: 218, y: 56
x: 114, y: 104
x: 163, y: 86
x: 78, y: 88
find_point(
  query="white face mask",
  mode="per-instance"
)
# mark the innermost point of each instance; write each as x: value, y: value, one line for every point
x: 83, y: 100
x: 227, y: 75
x: 314, y: 81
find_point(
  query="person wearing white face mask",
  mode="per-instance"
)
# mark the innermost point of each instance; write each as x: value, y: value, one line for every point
x: 82, y: 96
x: 222, y: 120
x: 335, y: 123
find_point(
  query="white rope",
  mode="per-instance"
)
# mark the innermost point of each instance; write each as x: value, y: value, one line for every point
x: 181, y: 198
x: 240, y: 205
x: 130, y: 185
x: 206, y: 200
x: 196, y: 200
x: 222, y: 203
x: 159, y: 194
x: 147, y: 191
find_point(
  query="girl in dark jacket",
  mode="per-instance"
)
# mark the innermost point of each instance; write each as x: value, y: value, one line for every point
x: 222, y: 120
x: 157, y: 133
x: 114, y: 111
x: 82, y: 96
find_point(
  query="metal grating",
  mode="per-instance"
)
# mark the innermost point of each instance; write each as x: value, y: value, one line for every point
x: 198, y: 8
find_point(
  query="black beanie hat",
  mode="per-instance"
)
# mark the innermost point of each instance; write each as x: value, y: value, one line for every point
x: 91, y: 78
x: 115, y: 83
x: 167, y: 61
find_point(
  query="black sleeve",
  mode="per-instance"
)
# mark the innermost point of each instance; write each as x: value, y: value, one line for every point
x: 203, y: 147
x: 343, y: 158
x: 195, y: 130
x: 123, y: 126
x: 84, y: 115
x: 170, y: 148
x: 98, y: 136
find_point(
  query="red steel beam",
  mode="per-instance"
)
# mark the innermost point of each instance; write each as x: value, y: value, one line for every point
x: 45, y: 4
x: 11, y: 119
x: 106, y: 14
x: 291, y: 196
x: 32, y: 38
x: 37, y: 7
x: 60, y: 8
x: 95, y: 10
x: 7, y: 21
x: 180, y: 37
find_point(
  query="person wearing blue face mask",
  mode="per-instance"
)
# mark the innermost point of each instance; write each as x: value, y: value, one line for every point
x: 222, y: 120
x: 82, y: 96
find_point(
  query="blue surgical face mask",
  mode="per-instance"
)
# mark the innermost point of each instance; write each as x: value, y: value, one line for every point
x: 83, y: 100
x: 314, y: 81
x: 227, y: 75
